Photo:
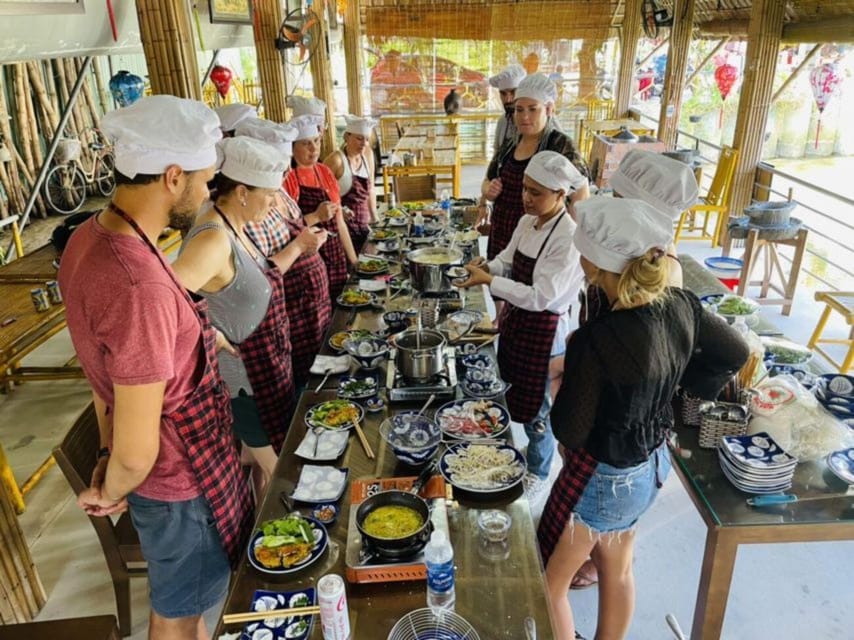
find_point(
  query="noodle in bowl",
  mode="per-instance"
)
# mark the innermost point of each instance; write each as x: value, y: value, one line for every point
x: 483, y: 468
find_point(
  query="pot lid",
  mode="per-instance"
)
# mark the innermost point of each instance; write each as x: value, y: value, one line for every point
x: 625, y: 136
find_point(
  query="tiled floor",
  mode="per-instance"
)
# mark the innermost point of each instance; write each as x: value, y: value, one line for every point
x: 779, y: 592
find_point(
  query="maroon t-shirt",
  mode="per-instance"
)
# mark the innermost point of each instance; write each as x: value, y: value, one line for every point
x: 130, y: 325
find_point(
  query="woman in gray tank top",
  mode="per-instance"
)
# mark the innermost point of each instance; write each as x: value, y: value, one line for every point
x: 245, y: 300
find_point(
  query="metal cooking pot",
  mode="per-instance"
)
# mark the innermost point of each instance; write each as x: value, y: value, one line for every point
x: 396, y: 547
x: 419, y: 365
x: 427, y: 267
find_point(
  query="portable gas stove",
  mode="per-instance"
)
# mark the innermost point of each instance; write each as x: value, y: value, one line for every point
x: 444, y: 301
x: 444, y: 385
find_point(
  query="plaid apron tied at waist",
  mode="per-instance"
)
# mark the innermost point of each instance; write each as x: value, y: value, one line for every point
x: 507, y: 209
x: 357, y: 200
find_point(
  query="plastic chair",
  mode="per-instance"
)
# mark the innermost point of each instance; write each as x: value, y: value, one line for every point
x: 716, y: 203
x: 76, y: 456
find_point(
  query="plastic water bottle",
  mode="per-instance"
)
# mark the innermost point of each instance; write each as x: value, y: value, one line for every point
x: 446, y: 203
x: 439, y: 557
x: 740, y: 325
x: 418, y: 225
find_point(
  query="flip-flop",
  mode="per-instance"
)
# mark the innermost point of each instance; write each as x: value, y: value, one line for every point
x: 583, y: 581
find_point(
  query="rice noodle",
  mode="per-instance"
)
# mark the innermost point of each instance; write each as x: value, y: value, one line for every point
x: 484, y: 467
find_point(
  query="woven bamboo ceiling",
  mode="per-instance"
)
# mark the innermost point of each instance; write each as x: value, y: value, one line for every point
x: 549, y: 19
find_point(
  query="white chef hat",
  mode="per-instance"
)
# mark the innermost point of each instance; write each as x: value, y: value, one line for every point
x: 359, y: 126
x: 251, y: 162
x: 306, y: 106
x: 279, y: 136
x: 508, y: 78
x: 665, y: 183
x: 159, y: 131
x: 230, y: 115
x: 537, y: 87
x: 308, y: 126
x: 612, y: 232
x: 555, y: 172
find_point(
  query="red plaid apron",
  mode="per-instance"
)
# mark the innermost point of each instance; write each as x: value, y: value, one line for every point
x: 526, y: 342
x: 266, y: 354
x: 358, y: 201
x: 204, y: 425
x: 309, y: 306
x: 507, y: 209
x: 332, y: 252
x: 577, y: 470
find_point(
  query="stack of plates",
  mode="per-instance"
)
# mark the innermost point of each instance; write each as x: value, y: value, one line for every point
x: 756, y: 464
x: 836, y: 394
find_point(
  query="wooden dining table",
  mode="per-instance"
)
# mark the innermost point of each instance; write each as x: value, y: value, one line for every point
x: 494, y: 592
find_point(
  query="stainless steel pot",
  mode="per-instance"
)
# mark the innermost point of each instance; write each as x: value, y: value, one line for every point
x: 427, y: 267
x: 419, y: 364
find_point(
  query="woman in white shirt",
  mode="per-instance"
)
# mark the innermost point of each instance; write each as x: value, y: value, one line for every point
x: 538, y: 275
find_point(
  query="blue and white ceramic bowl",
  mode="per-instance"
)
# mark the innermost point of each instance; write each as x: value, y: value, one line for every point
x: 835, y: 385
x: 841, y: 463
x: 482, y: 375
x: 413, y: 439
x: 368, y: 353
x: 478, y: 361
x: 484, y: 390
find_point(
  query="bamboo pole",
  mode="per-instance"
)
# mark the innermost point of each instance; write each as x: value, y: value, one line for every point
x: 628, y: 51
x: 21, y: 119
x: 94, y: 116
x: 100, y: 87
x: 705, y: 61
x: 795, y: 72
x: 353, y: 57
x: 271, y: 68
x: 9, y: 176
x: 169, y: 47
x: 763, y: 45
x: 49, y: 120
x: 674, y: 76
x: 321, y: 74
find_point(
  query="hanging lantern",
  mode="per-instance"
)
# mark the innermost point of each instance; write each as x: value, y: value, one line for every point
x: 725, y: 77
x: 221, y: 77
x: 824, y: 79
x: 126, y: 88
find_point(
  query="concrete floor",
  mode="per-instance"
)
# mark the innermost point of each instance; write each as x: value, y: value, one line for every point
x: 778, y: 592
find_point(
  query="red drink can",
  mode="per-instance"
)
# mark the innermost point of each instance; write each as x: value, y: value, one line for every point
x: 334, y: 613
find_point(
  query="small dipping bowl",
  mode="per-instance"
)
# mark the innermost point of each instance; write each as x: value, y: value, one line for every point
x: 483, y: 375
x: 478, y: 361
x: 494, y: 525
x: 325, y: 513
x: 374, y: 404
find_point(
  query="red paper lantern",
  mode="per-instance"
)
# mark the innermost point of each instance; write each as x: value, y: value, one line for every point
x: 221, y: 77
x: 824, y: 79
x: 725, y: 77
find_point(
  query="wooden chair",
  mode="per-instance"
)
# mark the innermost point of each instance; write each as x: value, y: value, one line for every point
x: 600, y: 109
x: 414, y: 188
x: 842, y: 302
x: 76, y: 456
x: 716, y: 203
x: 89, y: 628
x: 16, y: 238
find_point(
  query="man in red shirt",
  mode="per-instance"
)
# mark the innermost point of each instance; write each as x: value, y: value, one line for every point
x: 148, y: 351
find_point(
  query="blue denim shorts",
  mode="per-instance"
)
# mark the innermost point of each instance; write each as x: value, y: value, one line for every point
x: 614, y: 499
x: 188, y: 570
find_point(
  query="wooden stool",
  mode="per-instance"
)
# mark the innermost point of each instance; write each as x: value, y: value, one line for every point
x: 754, y: 245
x: 90, y: 628
x: 843, y: 302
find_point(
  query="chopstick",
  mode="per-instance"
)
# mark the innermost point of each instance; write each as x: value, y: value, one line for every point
x: 253, y: 616
x: 363, y: 439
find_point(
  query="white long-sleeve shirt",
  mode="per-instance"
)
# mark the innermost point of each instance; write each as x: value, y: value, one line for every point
x: 557, y: 274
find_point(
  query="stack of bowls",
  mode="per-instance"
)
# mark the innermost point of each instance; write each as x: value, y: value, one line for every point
x: 835, y: 392
x: 480, y: 378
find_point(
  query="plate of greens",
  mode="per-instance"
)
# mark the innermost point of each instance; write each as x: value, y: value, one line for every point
x: 357, y: 387
x: 782, y: 351
x: 286, y: 545
x: 334, y: 414
x: 371, y: 266
x: 336, y: 340
x: 731, y: 306
x: 356, y: 298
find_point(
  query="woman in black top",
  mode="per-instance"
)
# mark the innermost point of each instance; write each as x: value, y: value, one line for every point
x: 612, y: 412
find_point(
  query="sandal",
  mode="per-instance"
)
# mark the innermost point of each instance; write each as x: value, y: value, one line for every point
x: 585, y: 578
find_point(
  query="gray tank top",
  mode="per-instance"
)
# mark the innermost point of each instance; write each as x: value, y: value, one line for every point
x: 238, y: 308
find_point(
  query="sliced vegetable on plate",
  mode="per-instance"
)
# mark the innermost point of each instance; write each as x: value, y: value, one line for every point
x: 334, y: 414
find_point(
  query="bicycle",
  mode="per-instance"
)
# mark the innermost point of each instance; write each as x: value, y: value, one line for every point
x: 66, y: 185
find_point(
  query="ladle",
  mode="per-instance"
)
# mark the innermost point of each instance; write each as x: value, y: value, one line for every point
x: 427, y: 404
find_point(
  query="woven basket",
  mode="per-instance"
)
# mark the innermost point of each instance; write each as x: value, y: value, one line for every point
x: 713, y: 429
x: 691, y: 410
x: 68, y: 149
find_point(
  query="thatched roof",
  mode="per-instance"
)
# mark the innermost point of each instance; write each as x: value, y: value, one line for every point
x: 548, y: 19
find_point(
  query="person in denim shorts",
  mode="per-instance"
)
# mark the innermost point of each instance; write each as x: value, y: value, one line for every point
x: 612, y: 412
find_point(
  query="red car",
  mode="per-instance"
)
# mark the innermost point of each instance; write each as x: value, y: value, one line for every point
x: 405, y: 83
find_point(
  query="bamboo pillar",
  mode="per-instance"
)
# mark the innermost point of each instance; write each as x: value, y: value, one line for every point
x: 321, y: 78
x: 631, y: 33
x: 353, y: 57
x: 169, y: 47
x: 763, y: 44
x: 271, y: 67
x: 674, y: 76
x: 587, y: 69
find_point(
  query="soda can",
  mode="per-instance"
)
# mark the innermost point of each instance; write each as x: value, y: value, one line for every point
x: 40, y: 300
x: 334, y: 613
x: 53, y: 292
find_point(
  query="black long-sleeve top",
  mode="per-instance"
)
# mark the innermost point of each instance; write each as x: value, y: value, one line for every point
x: 622, y: 369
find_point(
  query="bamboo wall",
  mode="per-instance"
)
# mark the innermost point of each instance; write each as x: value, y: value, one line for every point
x: 677, y: 67
x: 170, y: 48
x: 32, y: 97
x: 268, y: 17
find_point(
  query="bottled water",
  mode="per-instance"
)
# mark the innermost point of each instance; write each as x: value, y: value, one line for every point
x: 439, y: 557
x: 418, y: 225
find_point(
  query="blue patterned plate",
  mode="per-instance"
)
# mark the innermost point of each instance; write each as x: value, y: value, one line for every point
x: 841, y: 463
x: 473, y: 419
x: 321, y: 539
x: 757, y: 452
x: 282, y: 628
